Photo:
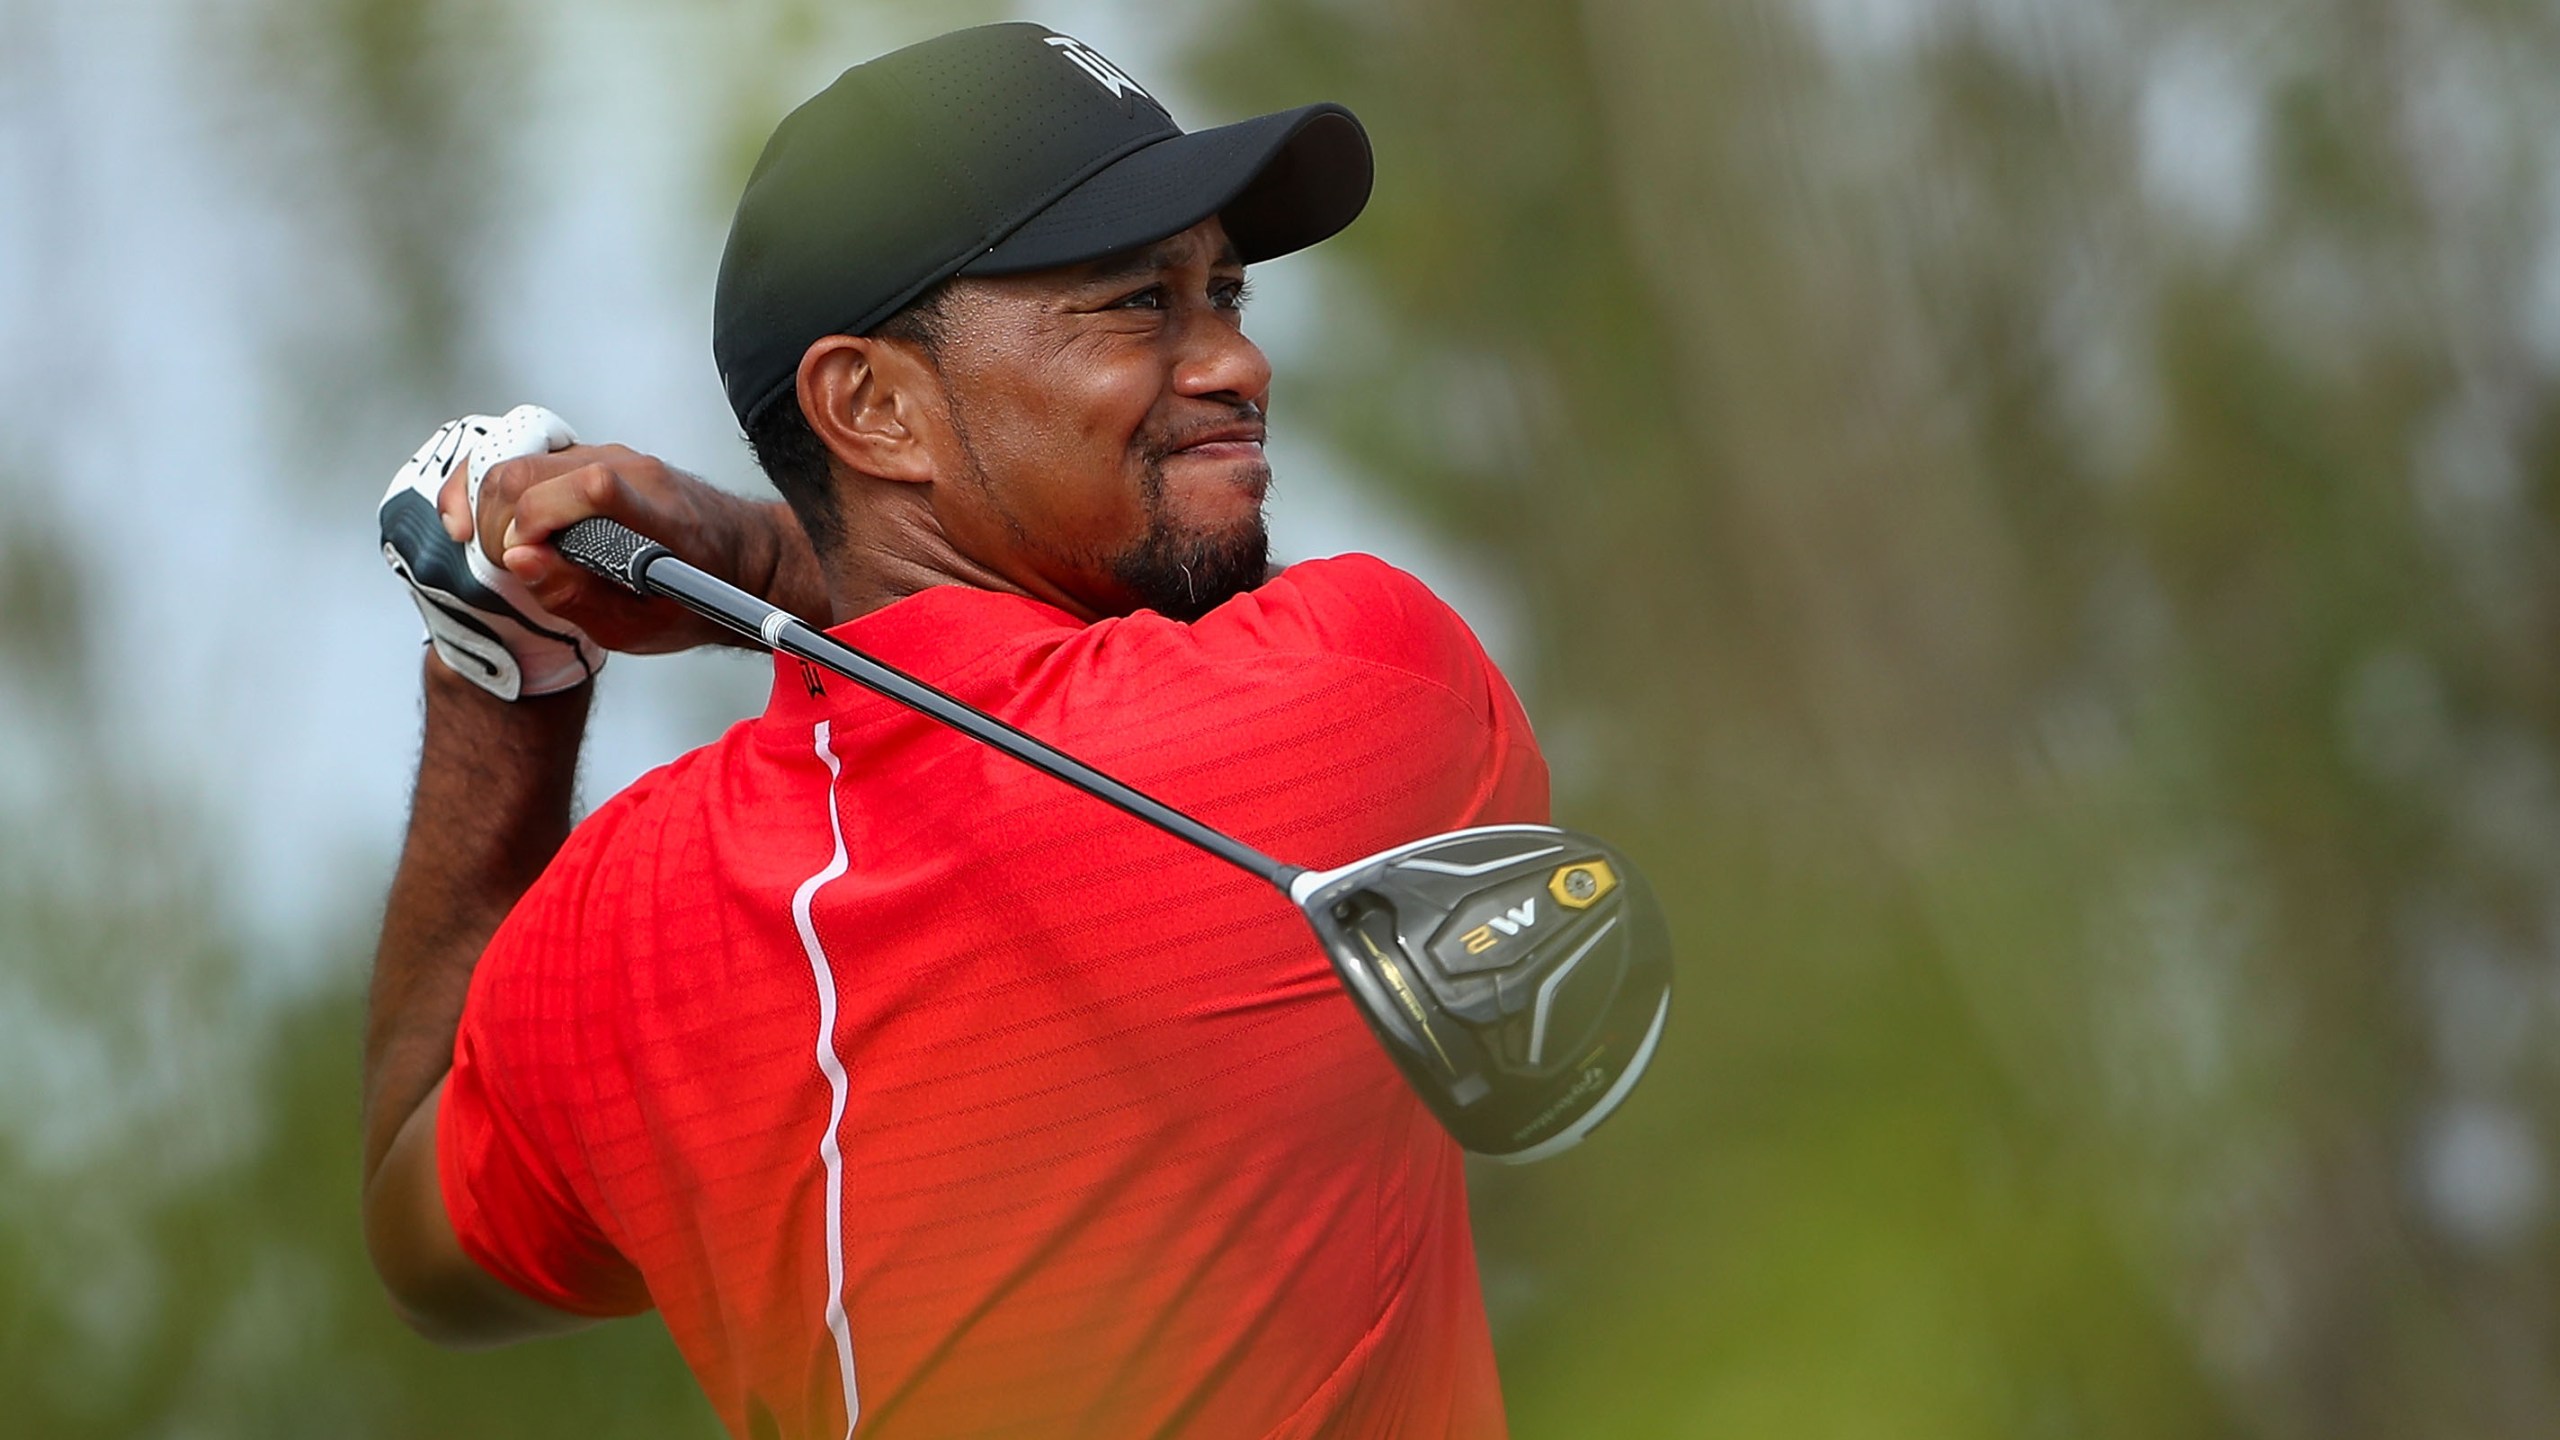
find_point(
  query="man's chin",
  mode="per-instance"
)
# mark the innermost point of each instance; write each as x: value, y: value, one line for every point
x: 1185, y: 576
x: 1213, y: 493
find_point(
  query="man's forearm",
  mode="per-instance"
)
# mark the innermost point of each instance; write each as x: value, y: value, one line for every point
x: 491, y: 808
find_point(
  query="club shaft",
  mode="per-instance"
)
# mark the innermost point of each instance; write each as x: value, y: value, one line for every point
x: 727, y: 605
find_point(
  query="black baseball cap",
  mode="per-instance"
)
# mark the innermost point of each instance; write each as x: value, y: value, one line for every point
x: 993, y: 151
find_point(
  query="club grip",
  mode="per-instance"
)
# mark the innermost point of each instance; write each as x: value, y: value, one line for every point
x: 615, y: 551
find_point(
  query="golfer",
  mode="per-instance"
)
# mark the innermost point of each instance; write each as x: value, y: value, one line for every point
x: 918, y: 1093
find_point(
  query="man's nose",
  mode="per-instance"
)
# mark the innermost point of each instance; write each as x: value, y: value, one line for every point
x: 1217, y: 360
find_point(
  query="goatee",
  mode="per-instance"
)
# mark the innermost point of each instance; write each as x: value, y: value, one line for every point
x: 1185, y: 576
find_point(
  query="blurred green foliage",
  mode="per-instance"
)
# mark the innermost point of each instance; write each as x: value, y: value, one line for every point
x: 2039, y: 531
x: 2035, y: 525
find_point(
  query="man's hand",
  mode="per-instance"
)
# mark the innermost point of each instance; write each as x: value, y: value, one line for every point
x: 521, y: 503
x: 482, y: 622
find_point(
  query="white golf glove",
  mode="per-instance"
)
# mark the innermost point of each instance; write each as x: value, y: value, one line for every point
x: 482, y: 620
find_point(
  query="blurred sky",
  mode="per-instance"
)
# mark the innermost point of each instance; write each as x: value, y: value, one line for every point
x: 161, y: 296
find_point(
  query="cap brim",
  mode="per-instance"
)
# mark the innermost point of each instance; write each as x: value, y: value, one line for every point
x: 1281, y: 182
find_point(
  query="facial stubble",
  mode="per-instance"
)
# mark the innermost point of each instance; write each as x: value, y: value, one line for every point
x: 1185, y: 574
x: 1182, y: 574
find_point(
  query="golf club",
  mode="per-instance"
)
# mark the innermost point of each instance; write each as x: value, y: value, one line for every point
x: 1519, y: 975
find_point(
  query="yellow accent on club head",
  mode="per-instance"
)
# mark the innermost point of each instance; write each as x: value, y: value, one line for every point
x: 1582, y: 884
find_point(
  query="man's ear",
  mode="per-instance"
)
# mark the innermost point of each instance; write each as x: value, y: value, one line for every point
x: 871, y: 403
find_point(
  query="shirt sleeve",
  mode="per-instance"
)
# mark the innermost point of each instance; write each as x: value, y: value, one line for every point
x: 1361, y: 609
x: 506, y: 1144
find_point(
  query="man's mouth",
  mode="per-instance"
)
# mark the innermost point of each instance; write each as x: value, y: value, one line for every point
x: 1223, y: 450
x: 1239, y: 441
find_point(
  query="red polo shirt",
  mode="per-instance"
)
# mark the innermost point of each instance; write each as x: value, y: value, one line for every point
x: 925, y: 1096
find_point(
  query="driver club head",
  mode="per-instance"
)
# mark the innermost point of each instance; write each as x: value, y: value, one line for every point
x: 1519, y: 975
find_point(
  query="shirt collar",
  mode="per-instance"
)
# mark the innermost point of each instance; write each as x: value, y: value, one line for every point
x: 932, y: 634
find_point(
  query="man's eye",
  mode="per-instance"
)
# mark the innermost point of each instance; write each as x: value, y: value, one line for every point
x: 1151, y: 298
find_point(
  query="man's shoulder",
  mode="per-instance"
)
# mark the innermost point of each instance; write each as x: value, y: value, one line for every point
x: 1342, y: 621
x: 1359, y: 588
x: 1359, y: 608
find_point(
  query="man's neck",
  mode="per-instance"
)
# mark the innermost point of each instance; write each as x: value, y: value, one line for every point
x: 894, y: 547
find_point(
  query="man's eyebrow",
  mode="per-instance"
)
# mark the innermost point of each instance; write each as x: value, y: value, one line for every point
x: 1163, y: 256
